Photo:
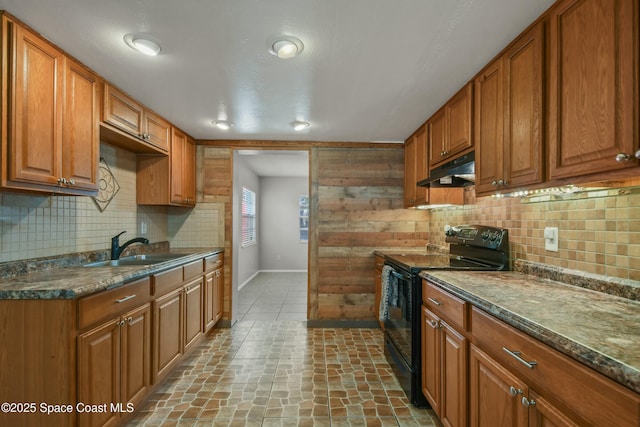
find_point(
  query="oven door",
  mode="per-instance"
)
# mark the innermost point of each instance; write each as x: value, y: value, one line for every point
x: 398, y: 325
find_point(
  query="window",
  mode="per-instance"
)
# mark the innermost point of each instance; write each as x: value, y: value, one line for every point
x: 304, y: 218
x: 248, y: 217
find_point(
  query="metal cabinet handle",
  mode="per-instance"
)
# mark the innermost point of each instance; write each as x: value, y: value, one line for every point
x: 62, y: 181
x: 526, y: 402
x: 127, y: 298
x: 623, y: 157
x: 516, y: 355
x: 514, y: 391
x: 129, y: 320
x: 637, y: 154
x: 436, y: 302
x: 433, y: 324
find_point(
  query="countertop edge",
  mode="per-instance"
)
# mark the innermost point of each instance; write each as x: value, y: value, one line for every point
x: 607, y: 366
x: 114, y: 277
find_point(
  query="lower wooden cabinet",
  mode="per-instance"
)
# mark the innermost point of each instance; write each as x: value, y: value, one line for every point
x: 444, y: 369
x: 114, y: 363
x: 214, y: 298
x: 499, y: 398
x: 178, y: 322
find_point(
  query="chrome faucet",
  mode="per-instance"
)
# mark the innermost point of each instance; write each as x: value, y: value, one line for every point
x: 116, y: 249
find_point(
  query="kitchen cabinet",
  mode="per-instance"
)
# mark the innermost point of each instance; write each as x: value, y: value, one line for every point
x: 169, y: 180
x: 415, y: 169
x: 114, y: 358
x: 593, y: 99
x: 450, y: 129
x: 521, y: 381
x: 444, y: 355
x: 53, y: 100
x: 129, y: 125
x: 508, y: 116
x: 213, y: 291
x: 178, y: 315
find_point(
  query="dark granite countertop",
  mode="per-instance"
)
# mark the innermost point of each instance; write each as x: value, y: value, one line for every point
x: 597, y: 329
x: 75, y: 281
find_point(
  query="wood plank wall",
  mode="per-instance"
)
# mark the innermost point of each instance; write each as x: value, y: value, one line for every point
x: 356, y: 208
x: 217, y: 187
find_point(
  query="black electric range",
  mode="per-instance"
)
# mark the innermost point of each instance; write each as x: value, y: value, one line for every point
x: 472, y: 247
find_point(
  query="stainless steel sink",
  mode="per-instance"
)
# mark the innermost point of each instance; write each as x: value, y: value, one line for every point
x: 146, y: 259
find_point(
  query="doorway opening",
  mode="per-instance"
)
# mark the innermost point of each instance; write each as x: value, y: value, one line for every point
x: 270, y: 272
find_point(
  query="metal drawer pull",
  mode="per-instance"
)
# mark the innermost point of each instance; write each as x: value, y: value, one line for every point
x: 433, y: 324
x: 127, y: 298
x: 436, y: 302
x: 516, y: 355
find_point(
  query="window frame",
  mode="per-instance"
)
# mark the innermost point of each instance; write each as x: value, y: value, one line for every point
x: 248, y: 236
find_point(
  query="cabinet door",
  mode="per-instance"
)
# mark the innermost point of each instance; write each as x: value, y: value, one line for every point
x: 122, y: 112
x: 36, y: 131
x: 189, y: 172
x: 167, y: 332
x: 459, y: 111
x: 494, y: 393
x: 209, y: 301
x: 218, y: 289
x: 157, y: 131
x: 81, y: 148
x: 436, y: 128
x: 454, y: 357
x: 136, y: 355
x: 543, y: 414
x: 178, y: 142
x: 489, y: 114
x: 192, y: 312
x: 99, y: 372
x: 410, y: 173
x: 431, y: 359
x: 592, y: 103
x: 421, y: 165
x: 523, y: 131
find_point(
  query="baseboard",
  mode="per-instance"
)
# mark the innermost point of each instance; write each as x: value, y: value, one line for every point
x: 335, y: 324
x: 242, y: 285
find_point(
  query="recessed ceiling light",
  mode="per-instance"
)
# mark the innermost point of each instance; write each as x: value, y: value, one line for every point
x: 299, y: 125
x: 222, y: 124
x: 285, y: 47
x: 142, y: 43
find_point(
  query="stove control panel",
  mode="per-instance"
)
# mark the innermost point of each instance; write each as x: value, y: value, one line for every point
x: 477, y: 235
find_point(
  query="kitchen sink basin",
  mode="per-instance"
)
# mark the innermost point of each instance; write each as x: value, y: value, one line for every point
x: 145, y: 259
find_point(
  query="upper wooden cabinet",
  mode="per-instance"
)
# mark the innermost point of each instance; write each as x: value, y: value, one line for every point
x: 144, y: 131
x: 415, y: 169
x: 450, y: 128
x: 52, y: 99
x: 508, y: 116
x: 169, y: 180
x: 593, y: 90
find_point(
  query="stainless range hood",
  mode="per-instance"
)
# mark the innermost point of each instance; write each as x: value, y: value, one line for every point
x: 459, y: 172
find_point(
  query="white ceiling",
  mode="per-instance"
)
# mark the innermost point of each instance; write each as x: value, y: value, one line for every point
x: 280, y: 163
x: 371, y: 70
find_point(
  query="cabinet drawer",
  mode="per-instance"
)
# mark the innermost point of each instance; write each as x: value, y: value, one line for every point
x: 444, y: 304
x: 213, y: 262
x: 167, y: 281
x: 112, y: 303
x: 585, y: 392
x: 193, y: 269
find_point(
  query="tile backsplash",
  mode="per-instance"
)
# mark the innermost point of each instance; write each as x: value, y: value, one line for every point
x: 40, y: 226
x: 598, y: 234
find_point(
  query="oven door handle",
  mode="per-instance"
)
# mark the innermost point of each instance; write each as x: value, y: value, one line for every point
x: 400, y: 276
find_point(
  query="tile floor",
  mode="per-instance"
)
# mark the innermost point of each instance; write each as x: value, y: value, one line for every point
x: 281, y: 373
x: 274, y: 296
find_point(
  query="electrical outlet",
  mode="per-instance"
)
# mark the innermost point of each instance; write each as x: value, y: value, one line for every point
x: 551, y: 239
x: 143, y: 228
